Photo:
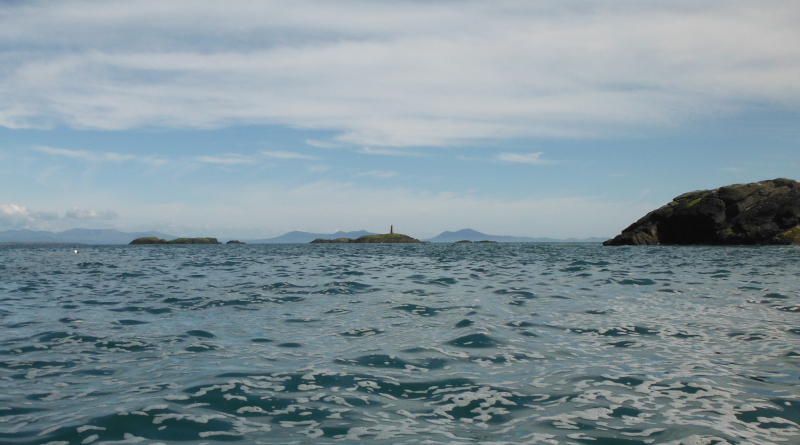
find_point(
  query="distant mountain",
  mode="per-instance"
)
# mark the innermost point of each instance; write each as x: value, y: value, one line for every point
x: 298, y: 237
x: 77, y: 236
x: 474, y: 235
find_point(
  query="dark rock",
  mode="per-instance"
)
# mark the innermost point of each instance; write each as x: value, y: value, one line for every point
x: 759, y: 213
x: 464, y: 241
x: 149, y: 240
x: 194, y: 241
x: 233, y: 241
x: 154, y: 240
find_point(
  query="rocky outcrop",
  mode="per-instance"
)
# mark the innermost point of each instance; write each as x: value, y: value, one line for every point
x: 233, y: 241
x: 391, y: 238
x: 155, y: 240
x: 149, y: 240
x: 759, y: 213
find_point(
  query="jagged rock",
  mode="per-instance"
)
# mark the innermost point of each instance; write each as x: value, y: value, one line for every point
x: 759, y: 213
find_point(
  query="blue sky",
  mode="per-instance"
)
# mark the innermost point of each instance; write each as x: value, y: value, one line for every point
x: 251, y: 119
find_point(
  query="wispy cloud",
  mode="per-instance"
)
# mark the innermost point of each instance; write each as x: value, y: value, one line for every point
x: 389, y: 152
x: 227, y: 159
x: 523, y: 158
x: 85, y: 155
x: 287, y: 155
x: 77, y: 213
x: 322, y: 144
x: 418, y: 73
x: 380, y: 174
x: 318, y: 168
x: 98, y: 156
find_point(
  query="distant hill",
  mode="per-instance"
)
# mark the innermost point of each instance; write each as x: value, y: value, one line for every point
x: 474, y: 235
x: 77, y: 236
x: 298, y: 237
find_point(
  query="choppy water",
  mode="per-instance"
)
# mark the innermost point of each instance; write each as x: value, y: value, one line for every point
x: 501, y: 343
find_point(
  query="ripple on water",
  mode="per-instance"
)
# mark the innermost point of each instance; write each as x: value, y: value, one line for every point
x: 478, y: 340
x: 511, y: 343
x: 417, y: 309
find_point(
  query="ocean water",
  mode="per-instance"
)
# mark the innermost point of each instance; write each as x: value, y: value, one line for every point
x: 411, y: 344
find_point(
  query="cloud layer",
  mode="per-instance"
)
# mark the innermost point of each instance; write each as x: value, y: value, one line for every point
x: 13, y: 216
x: 394, y: 74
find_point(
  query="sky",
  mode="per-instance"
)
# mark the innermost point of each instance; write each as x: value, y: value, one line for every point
x: 250, y: 119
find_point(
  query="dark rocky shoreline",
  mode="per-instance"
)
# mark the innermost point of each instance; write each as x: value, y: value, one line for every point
x: 759, y: 213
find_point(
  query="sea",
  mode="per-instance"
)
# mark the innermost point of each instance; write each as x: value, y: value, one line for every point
x: 535, y: 343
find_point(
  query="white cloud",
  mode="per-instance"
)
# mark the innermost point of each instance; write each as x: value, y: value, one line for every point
x: 227, y: 159
x: 395, y: 73
x: 287, y: 155
x: 389, y: 152
x: 380, y: 174
x: 77, y: 213
x: 523, y: 158
x: 19, y: 217
x: 13, y: 211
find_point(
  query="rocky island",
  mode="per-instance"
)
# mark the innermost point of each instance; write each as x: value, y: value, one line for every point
x: 385, y: 238
x: 155, y: 240
x: 759, y: 213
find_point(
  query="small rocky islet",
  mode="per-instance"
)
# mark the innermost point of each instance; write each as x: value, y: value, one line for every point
x: 156, y: 240
x: 758, y: 213
x: 391, y: 238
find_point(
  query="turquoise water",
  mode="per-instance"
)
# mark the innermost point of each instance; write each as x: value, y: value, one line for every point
x: 481, y: 343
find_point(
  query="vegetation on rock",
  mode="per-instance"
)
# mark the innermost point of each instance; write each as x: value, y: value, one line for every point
x: 759, y: 213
